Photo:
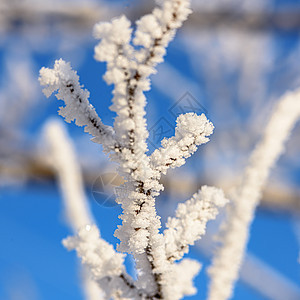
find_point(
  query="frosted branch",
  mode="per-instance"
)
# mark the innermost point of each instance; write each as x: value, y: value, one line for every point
x: 156, y: 30
x: 226, y: 264
x: 129, y: 70
x: 66, y: 81
x: 115, y: 49
x: 79, y: 219
x: 129, y: 65
x: 182, y: 276
x: 191, y: 131
x: 140, y: 226
x: 105, y: 265
x: 97, y: 254
x: 189, y: 225
x: 139, y: 235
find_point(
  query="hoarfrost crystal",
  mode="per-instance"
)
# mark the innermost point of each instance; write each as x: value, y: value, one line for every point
x: 131, y: 57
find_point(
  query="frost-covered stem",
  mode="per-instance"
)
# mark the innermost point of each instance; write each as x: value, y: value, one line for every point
x: 106, y: 265
x: 129, y: 72
x: 139, y: 233
x: 66, y: 82
x: 154, y: 32
x: 191, y: 131
x: 129, y: 68
x: 114, y: 48
x: 189, y: 225
x: 235, y: 232
x: 80, y: 219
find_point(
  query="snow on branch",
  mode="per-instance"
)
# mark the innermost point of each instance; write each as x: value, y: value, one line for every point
x: 182, y: 276
x: 97, y: 255
x: 115, y: 49
x: 191, y: 131
x: 130, y: 62
x: 156, y: 30
x: 189, y: 225
x: 129, y: 68
x: 66, y: 81
x: 106, y: 265
x: 228, y: 259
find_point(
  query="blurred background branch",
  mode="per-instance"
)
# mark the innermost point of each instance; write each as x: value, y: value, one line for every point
x: 34, y: 168
x: 16, y: 15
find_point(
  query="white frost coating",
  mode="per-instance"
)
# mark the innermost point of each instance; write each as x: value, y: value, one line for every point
x: 114, y: 49
x: 189, y: 225
x: 182, y: 276
x: 140, y: 228
x: 79, y: 216
x: 191, y: 131
x: 156, y: 30
x: 105, y: 265
x: 129, y: 69
x: 129, y: 65
x: 66, y: 81
x: 234, y: 235
x: 128, y: 102
x: 96, y: 254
